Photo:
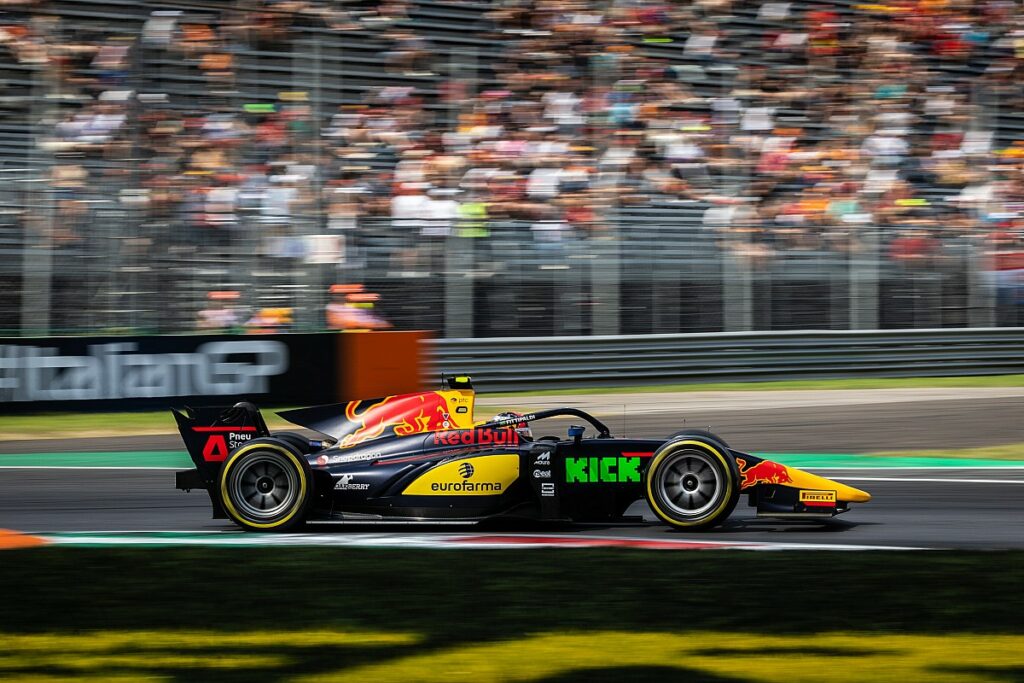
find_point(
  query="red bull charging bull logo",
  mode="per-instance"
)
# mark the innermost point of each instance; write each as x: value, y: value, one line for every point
x: 764, y: 472
x: 395, y: 415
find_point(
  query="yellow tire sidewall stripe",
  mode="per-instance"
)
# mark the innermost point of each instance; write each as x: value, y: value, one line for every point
x: 226, y: 500
x: 652, y: 500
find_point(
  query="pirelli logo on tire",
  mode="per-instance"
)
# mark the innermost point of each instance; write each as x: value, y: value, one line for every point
x: 487, y: 475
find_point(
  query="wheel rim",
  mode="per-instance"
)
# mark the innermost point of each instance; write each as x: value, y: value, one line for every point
x: 690, y: 483
x: 264, y: 486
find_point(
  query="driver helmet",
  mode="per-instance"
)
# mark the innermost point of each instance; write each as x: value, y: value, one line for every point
x: 522, y: 428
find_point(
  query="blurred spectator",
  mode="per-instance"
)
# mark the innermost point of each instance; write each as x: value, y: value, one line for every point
x: 351, y: 308
x: 269, y: 321
x: 222, y: 312
x: 789, y: 126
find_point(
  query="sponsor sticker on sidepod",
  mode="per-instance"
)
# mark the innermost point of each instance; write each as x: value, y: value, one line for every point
x: 345, y: 483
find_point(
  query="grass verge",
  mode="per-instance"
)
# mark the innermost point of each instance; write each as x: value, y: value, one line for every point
x: 555, y: 615
x: 81, y: 425
x: 790, y: 385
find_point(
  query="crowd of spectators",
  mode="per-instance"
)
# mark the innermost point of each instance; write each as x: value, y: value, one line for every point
x: 783, y: 125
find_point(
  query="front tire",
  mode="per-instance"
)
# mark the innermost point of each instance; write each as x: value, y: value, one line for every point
x: 266, y: 486
x: 700, y: 434
x: 692, y: 483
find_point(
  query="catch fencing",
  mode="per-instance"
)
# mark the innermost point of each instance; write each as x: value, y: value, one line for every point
x: 519, y: 364
x: 175, y: 216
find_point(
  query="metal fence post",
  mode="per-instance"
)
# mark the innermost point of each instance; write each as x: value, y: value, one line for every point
x: 568, y: 289
x: 37, y: 257
x: 37, y: 269
x: 864, y: 270
x: 839, y: 295
x: 664, y: 299
x: 604, y: 285
x: 458, y: 287
x: 737, y: 293
x: 981, y: 291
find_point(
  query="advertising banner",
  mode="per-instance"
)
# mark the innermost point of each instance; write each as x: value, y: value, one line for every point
x: 114, y: 373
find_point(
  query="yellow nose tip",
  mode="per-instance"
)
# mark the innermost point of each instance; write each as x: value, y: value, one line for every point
x: 806, y: 480
x: 852, y: 495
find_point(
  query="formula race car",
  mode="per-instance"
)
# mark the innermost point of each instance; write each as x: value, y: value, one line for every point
x: 422, y: 458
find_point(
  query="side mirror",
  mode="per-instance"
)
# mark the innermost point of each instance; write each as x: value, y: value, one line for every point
x: 576, y: 433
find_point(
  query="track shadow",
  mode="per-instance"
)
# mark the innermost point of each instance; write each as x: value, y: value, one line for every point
x: 828, y: 526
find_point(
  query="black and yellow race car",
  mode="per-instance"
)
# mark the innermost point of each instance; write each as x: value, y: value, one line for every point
x: 423, y: 458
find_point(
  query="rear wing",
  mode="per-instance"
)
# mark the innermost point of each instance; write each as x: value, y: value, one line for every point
x: 210, y: 434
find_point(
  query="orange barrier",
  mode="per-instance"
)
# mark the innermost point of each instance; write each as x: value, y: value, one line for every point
x: 379, y: 363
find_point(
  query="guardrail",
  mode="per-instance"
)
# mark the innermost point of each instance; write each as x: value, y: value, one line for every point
x: 514, y: 364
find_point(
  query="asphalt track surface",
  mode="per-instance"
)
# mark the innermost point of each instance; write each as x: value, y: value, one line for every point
x: 845, y: 428
x: 949, y: 508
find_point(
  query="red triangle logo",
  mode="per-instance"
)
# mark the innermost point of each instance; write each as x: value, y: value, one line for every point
x: 216, y: 449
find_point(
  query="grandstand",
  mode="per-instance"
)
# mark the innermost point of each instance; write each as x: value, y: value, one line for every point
x: 738, y: 165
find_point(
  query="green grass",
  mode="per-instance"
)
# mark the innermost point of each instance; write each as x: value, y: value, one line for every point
x: 495, y: 593
x: 67, y: 425
x: 789, y: 385
x: 552, y: 615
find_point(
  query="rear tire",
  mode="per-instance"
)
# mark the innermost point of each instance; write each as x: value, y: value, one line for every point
x: 295, y: 440
x: 692, y: 483
x: 266, y: 486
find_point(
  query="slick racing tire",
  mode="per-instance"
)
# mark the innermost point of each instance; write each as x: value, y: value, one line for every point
x: 266, y: 485
x: 692, y: 483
